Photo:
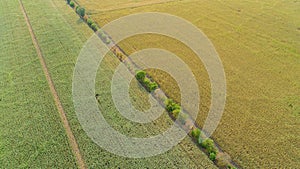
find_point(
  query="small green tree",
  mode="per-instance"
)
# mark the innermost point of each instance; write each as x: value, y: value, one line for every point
x: 72, y: 4
x: 89, y: 22
x: 80, y: 11
x: 140, y: 75
x: 175, y: 113
x: 94, y: 27
x: 229, y: 166
x: 212, y: 156
x: 196, y: 133
x: 100, y: 33
x: 208, y: 144
x: 107, y: 41
x: 68, y: 1
x: 104, y: 37
x: 171, y: 105
x: 153, y: 86
x: 146, y: 82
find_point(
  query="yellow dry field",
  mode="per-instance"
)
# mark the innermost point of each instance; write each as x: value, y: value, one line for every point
x: 99, y: 6
x: 259, y: 45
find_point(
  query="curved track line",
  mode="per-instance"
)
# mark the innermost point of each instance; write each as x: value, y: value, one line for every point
x: 70, y: 135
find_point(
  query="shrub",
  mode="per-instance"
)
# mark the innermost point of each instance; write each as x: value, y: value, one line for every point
x: 68, y: 1
x: 104, y: 37
x: 212, y: 156
x: 80, y: 11
x: 153, y: 86
x: 77, y: 8
x: 100, y: 34
x: 89, y: 22
x: 175, y: 113
x: 107, y: 41
x: 182, y: 118
x: 72, y: 4
x: 140, y: 75
x: 230, y: 167
x: 94, y: 27
x: 171, y: 105
x: 146, y: 82
x: 196, y: 133
x: 208, y: 144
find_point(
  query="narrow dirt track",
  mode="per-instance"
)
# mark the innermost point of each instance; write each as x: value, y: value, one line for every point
x: 70, y: 135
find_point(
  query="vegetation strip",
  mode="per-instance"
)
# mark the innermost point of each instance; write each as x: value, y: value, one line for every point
x: 58, y: 104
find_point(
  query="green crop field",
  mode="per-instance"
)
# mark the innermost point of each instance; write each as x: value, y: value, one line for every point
x: 258, y: 43
x: 31, y: 134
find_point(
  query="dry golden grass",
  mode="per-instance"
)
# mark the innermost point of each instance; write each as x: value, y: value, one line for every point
x: 96, y: 6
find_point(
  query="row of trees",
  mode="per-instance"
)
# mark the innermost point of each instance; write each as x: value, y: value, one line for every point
x: 145, y: 81
x: 81, y: 12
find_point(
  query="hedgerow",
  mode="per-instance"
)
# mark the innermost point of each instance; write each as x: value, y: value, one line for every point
x: 141, y: 77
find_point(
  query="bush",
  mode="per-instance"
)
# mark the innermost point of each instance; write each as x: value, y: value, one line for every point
x: 175, y: 113
x: 94, y: 27
x: 100, y: 33
x: 208, y: 144
x: 107, y: 41
x: 153, y: 86
x: 196, y: 133
x: 104, y: 37
x: 72, y: 4
x: 171, y: 105
x: 146, y: 82
x: 80, y: 11
x: 230, y: 167
x: 89, y: 22
x: 140, y: 75
x: 68, y: 1
x: 212, y: 156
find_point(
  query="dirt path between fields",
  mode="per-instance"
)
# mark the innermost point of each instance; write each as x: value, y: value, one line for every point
x: 70, y: 135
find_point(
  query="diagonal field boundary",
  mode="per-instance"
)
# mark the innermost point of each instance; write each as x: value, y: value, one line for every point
x: 70, y: 135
